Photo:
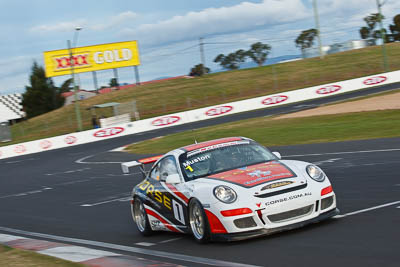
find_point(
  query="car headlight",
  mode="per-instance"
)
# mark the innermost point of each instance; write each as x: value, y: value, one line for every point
x: 315, y: 173
x: 225, y: 194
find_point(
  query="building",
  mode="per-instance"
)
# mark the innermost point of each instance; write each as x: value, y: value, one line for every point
x: 11, y: 107
x: 82, y: 94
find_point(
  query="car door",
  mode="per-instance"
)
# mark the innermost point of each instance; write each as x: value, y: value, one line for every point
x: 168, y: 203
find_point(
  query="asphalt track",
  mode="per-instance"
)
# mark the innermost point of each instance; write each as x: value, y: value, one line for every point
x: 81, y: 193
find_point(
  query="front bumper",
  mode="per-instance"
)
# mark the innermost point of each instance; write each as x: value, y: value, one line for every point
x: 261, y: 232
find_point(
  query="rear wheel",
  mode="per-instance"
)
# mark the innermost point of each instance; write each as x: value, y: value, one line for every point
x: 198, y: 222
x: 140, y: 217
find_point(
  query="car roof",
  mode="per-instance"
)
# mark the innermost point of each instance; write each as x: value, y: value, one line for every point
x: 211, y: 142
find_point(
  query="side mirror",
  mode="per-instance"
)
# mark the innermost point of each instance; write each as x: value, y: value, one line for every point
x: 277, y: 154
x: 173, y: 179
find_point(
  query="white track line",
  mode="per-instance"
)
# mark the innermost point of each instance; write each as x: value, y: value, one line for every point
x: 170, y: 240
x: 145, y: 244
x: 149, y: 252
x: 108, y: 201
x: 368, y: 209
x: 347, y: 152
x: 81, y: 161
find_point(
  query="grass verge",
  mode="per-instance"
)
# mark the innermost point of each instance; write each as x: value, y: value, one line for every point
x: 10, y: 257
x: 317, y: 129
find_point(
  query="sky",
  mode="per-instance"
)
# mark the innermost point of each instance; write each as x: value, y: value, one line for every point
x: 167, y: 32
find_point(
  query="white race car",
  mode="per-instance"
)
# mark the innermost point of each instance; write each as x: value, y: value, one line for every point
x: 229, y: 189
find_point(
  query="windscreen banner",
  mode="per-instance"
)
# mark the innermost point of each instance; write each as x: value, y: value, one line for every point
x: 91, y: 58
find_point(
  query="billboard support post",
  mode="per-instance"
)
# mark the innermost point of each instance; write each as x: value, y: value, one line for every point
x: 96, y: 86
x: 385, y: 62
x: 77, y: 110
x: 137, y: 75
x: 116, y: 77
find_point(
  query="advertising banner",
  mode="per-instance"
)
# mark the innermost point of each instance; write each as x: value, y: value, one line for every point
x: 91, y: 58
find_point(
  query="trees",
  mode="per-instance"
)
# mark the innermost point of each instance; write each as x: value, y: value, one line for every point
x: 199, y: 70
x: 42, y: 95
x: 395, y: 29
x: 258, y: 52
x: 66, y: 86
x: 372, y: 21
x: 233, y: 60
x: 113, y: 82
x: 306, y: 39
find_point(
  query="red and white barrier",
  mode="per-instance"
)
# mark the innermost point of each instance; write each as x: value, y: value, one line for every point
x: 198, y: 114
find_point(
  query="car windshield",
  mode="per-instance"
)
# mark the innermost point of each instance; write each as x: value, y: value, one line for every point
x: 222, y: 157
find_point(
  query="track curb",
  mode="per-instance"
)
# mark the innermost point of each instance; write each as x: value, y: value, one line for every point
x: 78, y: 254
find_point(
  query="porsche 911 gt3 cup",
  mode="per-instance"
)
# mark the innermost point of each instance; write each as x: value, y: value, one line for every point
x: 229, y: 189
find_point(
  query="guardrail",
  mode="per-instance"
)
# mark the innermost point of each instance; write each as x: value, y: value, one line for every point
x: 283, y: 98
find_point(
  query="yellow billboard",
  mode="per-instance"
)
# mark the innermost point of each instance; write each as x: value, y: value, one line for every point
x: 91, y: 58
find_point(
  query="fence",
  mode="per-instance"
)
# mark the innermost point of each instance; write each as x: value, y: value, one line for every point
x: 5, y: 132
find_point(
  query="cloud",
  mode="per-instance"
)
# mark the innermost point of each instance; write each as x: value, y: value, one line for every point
x: 241, y: 17
x: 106, y: 23
x: 114, y: 21
x: 58, y: 27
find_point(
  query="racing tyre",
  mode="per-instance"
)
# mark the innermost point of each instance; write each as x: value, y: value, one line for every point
x: 140, y: 217
x: 198, y: 222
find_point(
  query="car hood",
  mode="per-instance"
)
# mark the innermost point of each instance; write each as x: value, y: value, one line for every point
x: 257, y: 174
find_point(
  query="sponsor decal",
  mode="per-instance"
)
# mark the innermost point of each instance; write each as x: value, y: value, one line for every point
x: 109, y: 132
x: 70, y: 139
x: 207, y: 148
x: 276, y: 201
x: 158, y: 216
x: 159, y: 196
x: 275, y: 185
x: 219, y: 110
x: 375, y: 80
x: 19, y: 149
x: 195, y: 160
x: 156, y: 225
x: 275, y: 100
x: 256, y: 174
x: 165, y: 120
x: 328, y: 89
x: 45, y: 144
x: 78, y: 60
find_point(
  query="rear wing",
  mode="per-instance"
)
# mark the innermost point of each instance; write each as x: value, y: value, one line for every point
x: 141, y: 163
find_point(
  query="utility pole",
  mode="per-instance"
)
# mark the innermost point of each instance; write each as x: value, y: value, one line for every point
x: 202, y: 58
x: 383, y: 36
x: 316, y: 17
x: 77, y: 109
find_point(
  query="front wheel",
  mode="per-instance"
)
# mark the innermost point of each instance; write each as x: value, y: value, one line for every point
x: 198, y: 222
x: 140, y: 217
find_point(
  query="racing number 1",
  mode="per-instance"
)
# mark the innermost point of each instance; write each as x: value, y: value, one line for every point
x: 178, y: 211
